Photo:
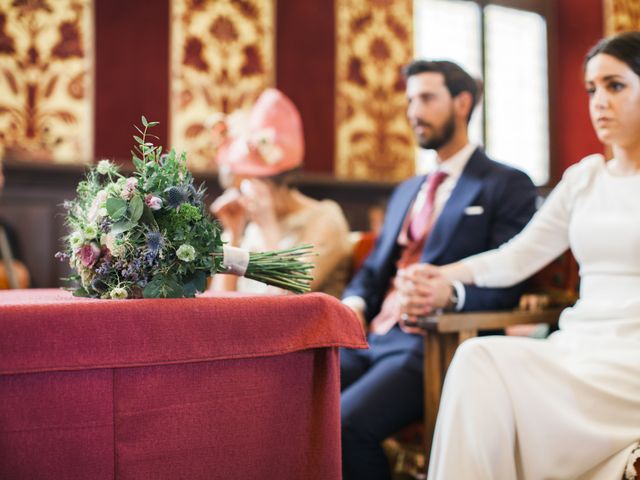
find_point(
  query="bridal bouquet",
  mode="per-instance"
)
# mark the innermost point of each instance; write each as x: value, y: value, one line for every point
x: 148, y: 234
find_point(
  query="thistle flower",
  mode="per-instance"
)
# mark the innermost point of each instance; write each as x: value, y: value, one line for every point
x: 155, y: 242
x: 176, y: 196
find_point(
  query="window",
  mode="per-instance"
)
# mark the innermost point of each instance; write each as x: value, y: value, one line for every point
x: 507, y: 47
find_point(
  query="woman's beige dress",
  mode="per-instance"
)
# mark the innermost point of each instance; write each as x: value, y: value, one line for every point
x: 322, y: 225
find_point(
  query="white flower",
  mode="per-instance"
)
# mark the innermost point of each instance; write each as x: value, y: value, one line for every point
x: 118, y: 250
x: 104, y: 167
x: 76, y: 240
x: 107, y: 240
x: 90, y: 231
x: 186, y: 253
x: 118, y: 293
x: 271, y: 154
x: 96, y: 206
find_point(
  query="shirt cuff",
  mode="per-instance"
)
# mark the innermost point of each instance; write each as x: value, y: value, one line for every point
x: 460, y: 293
x: 356, y: 303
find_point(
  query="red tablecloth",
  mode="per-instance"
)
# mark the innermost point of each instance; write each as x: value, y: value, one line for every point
x: 217, y: 387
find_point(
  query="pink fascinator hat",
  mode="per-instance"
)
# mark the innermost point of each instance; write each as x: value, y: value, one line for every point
x: 266, y: 141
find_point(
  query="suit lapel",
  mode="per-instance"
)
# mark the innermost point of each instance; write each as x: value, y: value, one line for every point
x: 468, y: 186
x: 399, y: 213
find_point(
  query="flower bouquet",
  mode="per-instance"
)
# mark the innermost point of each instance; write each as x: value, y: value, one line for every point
x: 148, y: 234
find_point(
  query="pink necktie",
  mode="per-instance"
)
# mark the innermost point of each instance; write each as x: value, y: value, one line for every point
x: 418, y: 228
x: 420, y: 221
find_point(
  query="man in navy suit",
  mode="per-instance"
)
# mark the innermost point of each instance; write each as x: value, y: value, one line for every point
x: 469, y: 204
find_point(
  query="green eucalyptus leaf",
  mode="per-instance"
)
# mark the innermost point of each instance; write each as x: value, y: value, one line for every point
x: 144, y: 121
x: 196, y: 283
x: 136, y: 206
x: 121, y: 227
x: 138, y: 139
x: 80, y: 292
x: 153, y: 124
x: 163, y: 286
x: 116, y: 208
x: 147, y: 216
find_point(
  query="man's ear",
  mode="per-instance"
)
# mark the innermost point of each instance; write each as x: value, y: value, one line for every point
x: 463, y: 104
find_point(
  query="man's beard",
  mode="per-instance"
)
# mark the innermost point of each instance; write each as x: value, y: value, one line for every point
x: 440, y: 137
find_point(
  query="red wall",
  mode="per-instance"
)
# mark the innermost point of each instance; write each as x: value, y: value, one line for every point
x: 579, y: 26
x: 305, y: 70
x: 132, y: 65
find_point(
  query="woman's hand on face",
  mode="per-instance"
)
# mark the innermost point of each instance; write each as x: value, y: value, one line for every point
x: 257, y: 199
x: 230, y: 210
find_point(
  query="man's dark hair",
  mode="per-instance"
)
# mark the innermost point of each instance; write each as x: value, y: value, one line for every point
x: 624, y: 46
x: 455, y: 78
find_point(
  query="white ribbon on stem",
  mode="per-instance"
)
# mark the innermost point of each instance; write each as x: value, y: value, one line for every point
x: 235, y: 260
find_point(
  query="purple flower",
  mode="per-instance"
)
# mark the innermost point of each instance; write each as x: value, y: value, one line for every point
x: 89, y: 254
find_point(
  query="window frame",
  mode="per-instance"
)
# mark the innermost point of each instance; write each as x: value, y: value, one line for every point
x: 547, y: 10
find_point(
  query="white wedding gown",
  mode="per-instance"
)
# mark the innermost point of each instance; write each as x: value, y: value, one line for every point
x: 567, y: 407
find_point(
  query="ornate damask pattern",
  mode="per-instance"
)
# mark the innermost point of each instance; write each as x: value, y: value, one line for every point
x: 374, y: 41
x: 621, y: 15
x: 46, y: 80
x: 222, y: 57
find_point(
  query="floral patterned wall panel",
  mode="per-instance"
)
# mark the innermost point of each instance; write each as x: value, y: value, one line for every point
x: 621, y: 15
x: 46, y: 80
x: 222, y: 57
x: 374, y: 41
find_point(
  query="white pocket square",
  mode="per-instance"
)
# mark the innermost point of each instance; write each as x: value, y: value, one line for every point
x: 474, y: 210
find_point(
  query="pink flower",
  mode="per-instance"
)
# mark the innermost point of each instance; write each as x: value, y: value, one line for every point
x: 129, y: 188
x: 154, y: 203
x: 89, y: 254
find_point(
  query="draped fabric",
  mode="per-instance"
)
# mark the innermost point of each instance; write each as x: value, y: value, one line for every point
x: 222, y: 57
x: 621, y: 16
x: 373, y: 42
x: 46, y: 81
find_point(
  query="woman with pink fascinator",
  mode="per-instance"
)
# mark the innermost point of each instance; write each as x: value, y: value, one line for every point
x: 259, y: 210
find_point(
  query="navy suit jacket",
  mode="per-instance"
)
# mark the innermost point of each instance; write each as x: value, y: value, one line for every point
x: 508, y: 199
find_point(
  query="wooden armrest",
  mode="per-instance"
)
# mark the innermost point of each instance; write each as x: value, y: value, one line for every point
x: 457, y: 322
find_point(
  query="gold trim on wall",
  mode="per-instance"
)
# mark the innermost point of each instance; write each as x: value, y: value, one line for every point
x: 621, y: 16
x: 374, y: 41
x: 222, y: 57
x: 47, y: 80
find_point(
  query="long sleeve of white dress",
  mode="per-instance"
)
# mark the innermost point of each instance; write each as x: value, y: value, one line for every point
x: 542, y: 240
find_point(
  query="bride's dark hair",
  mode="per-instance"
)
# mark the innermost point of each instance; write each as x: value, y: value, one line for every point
x: 623, y: 46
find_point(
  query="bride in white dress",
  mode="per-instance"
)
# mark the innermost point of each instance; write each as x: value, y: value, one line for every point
x: 567, y: 407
